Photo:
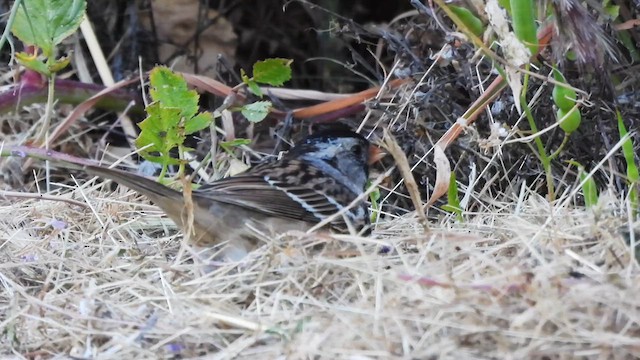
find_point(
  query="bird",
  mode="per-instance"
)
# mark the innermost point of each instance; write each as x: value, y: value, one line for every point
x: 319, y: 176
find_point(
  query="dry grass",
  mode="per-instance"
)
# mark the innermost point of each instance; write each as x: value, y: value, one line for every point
x: 522, y: 280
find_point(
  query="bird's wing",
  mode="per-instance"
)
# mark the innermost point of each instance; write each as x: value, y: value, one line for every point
x: 280, y: 190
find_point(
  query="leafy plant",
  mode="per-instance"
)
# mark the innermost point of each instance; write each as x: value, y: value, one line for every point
x: 274, y: 72
x: 173, y: 115
x: 45, y: 24
x: 170, y: 118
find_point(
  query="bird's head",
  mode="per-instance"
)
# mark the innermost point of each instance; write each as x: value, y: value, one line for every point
x: 343, y: 150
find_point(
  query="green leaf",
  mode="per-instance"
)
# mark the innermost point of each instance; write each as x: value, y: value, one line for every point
x: 523, y: 20
x: 469, y: 19
x: 197, y: 123
x: 627, y: 151
x: 160, y: 131
x: 32, y: 62
x: 171, y: 117
x: 45, y: 23
x: 251, y: 84
x: 254, y: 88
x: 453, y: 200
x: 257, y: 111
x: 171, y: 90
x: 632, y: 168
x: 589, y: 190
x: 274, y: 72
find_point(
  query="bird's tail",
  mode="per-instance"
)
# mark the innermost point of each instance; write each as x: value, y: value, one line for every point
x: 169, y: 200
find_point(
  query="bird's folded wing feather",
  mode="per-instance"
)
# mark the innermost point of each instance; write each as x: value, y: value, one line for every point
x: 281, y: 193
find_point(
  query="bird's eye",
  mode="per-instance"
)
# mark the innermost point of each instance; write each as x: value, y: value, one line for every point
x: 357, y: 150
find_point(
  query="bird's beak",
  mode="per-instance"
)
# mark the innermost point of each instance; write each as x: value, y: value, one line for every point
x: 375, y: 154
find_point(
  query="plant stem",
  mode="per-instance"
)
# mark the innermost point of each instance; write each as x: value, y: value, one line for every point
x: 163, y: 172
x: 542, y: 152
x: 181, y: 166
x: 43, y: 135
x: 565, y: 140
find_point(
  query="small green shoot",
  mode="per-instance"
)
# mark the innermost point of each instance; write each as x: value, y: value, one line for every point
x: 589, y: 189
x: 274, y: 72
x: 170, y: 118
x: 174, y: 115
x: 453, y: 199
x: 632, y: 168
x: 374, y: 198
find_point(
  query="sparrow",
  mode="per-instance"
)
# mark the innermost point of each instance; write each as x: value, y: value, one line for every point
x: 320, y: 176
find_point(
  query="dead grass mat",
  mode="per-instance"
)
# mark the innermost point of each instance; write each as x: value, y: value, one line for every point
x: 522, y: 280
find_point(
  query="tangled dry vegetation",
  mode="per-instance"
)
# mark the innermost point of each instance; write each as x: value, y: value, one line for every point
x: 91, y: 271
x: 521, y: 279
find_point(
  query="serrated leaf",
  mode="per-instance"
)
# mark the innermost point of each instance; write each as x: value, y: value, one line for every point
x: 160, y: 132
x: 274, y: 72
x: 256, y: 111
x: 197, y: 123
x: 171, y: 90
x: 45, y: 23
x: 32, y: 62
